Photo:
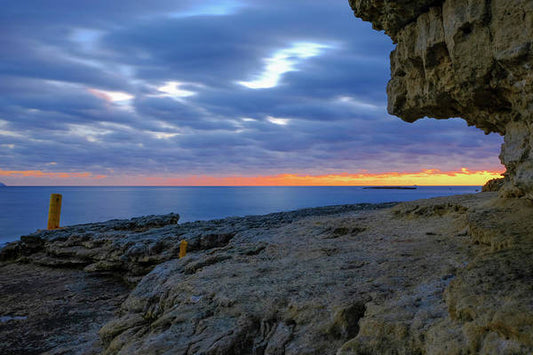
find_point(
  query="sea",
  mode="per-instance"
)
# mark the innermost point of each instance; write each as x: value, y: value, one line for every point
x: 24, y: 209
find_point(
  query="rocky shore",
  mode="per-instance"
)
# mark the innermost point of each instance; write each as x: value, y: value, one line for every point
x: 446, y: 275
x: 451, y: 275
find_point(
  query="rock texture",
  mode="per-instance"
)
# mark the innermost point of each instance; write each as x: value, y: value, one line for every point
x: 127, y: 247
x: 447, y: 275
x: 464, y: 58
x: 57, y: 311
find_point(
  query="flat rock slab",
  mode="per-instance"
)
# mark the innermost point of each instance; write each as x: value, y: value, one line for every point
x: 54, y: 310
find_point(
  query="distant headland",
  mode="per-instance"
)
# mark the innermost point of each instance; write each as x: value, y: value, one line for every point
x: 2, y: 184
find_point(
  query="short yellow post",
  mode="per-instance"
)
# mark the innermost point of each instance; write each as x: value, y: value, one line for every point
x: 183, y: 248
x: 54, y: 212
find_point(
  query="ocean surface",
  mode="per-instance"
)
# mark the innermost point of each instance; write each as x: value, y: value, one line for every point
x: 23, y: 210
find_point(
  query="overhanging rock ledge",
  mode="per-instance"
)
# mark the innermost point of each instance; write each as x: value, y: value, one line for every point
x: 464, y: 58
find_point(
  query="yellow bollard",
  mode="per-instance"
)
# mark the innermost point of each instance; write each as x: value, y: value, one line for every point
x: 54, y: 212
x: 183, y: 248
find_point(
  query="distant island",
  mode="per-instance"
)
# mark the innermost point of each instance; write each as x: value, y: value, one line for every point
x: 390, y: 188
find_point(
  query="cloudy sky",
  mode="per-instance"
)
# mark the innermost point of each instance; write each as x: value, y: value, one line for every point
x: 208, y: 92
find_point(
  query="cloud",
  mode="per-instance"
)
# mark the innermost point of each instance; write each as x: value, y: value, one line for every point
x: 205, y: 88
x: 40, y: 174
x: 174, y: 90
x: 284, y: 61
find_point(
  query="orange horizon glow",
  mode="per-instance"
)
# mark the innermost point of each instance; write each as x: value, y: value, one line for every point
x: 427, y: 177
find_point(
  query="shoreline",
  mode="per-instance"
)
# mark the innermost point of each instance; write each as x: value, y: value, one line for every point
x: 335, y: 279
x: 85, y: 205
x: 296, y: 213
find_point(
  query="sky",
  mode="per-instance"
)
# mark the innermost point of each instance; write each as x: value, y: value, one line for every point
x: 201, y: 92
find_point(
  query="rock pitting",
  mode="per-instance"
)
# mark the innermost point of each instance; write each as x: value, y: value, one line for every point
x: 464, y: 58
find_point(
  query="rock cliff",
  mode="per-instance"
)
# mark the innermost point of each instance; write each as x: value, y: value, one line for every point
x: 464, y: 58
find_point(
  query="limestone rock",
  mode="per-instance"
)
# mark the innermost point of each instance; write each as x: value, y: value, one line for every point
x: 493, y: 185
x: 128, y: 247
x: 464, y: 58
x: 446, y: 275
x: 391, y: 15
x: 54, y: 311
x: 307, y: 288
x: 132, y: 248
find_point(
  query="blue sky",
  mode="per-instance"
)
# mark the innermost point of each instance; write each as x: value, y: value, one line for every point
x: 217, y: 88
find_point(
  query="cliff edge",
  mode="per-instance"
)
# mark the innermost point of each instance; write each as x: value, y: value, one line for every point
x: 464, y: 58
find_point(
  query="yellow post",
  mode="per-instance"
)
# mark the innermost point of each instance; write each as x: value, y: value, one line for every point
x: 54, y: 212
x: 183, y: 248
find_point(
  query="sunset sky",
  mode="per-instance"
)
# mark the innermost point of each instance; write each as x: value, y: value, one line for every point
x: 198, y: 92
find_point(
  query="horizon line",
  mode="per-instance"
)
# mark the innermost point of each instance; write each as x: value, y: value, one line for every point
x: 393, y: 185
x: 423, y: 177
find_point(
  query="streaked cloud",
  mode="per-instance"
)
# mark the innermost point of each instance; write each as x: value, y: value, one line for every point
x: 87, y: 132
x: 112, y: 96
x: 172, y: 89
x: 357, y: 104
x: 278, y: 121
x: 119, y: 99
x: 42, y: 174
x: 218, y: 8
x: 163, y: 135
x: 191, y: 88
x: 86, y: 38
x: 284, y: 61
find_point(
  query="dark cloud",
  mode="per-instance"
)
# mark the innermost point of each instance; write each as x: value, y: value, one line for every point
x: 157, y: 88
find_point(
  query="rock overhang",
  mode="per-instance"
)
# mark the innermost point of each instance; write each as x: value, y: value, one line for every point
x: 464, y: 58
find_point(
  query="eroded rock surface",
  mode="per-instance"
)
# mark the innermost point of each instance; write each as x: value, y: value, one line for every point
x: 132, y: 248
x: 464, y: 58
x: 447, y: 275
x: 55, y: 311
x: 129, y: 248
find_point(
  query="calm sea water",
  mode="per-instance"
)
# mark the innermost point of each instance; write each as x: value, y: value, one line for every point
x: 24, y: 209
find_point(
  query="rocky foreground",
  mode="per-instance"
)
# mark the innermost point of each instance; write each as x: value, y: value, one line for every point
x: 448, y: 275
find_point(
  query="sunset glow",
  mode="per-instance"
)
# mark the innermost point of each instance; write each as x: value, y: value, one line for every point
x: 428, y: 177
x: 193, y: 93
